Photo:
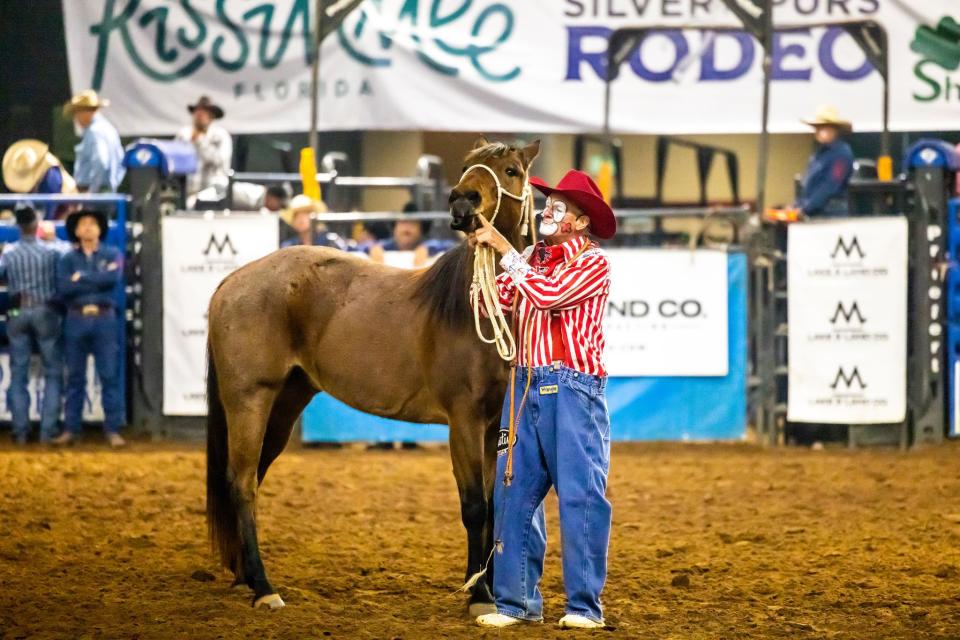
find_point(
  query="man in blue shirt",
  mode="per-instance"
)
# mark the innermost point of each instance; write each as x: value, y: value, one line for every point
x: 824, y: 186
x: 99, y: 162
x: 30, y: 269
x: 87, y: 280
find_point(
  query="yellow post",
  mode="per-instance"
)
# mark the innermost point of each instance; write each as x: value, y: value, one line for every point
x: 885, y: 168
x: 605, y: 179
x: 308, y: 173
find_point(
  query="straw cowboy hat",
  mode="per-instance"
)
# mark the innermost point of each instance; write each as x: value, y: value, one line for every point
x: 581, y: 190
x: 207, y: 105
x: 25, y: 163
x: 301, y: 204
x: 84, y: 100
x: 827, y: 116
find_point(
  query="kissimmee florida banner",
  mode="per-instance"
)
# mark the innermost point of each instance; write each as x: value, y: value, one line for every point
x: 506, y: 65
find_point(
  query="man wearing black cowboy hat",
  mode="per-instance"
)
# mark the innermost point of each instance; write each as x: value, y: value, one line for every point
x: 214, y: 151
x: 87, y: 280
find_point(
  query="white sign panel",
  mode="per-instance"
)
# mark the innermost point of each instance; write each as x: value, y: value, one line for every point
x: 667, y: 313
x: 847, y: 288
x: 92, y: 405
x: 504, y: 65
x: 198, y: 252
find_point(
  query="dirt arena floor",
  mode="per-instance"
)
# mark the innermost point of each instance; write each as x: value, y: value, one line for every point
x: 709, y: 541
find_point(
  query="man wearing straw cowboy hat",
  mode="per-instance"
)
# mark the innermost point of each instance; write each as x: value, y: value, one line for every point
x: 828, y: 172
x: 214, y: 150
x: 99, y: 161
x: 29, y: 167
x: 555, y: 429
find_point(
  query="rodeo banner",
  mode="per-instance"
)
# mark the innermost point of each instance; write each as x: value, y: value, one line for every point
x: 199, y: 252
x: 673, y: 323
x: 847, y: 287
x: 506, y: 65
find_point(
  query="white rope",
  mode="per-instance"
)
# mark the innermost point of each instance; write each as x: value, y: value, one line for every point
x: 484, y: 287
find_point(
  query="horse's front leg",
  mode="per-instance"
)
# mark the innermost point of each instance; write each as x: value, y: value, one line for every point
x: 473, y: 447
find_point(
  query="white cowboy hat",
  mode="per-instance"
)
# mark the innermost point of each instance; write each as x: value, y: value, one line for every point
x: 301, y: 204
x: 827, y: 115
x: 25, y: 163
x: 84, y: 100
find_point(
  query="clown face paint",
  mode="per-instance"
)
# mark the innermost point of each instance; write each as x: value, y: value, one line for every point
x: 550, y: 219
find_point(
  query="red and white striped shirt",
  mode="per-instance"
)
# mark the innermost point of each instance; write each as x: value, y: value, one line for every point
x: 563, y: 295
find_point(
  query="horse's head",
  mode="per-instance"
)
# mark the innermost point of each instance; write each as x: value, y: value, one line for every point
x: 477, y: 190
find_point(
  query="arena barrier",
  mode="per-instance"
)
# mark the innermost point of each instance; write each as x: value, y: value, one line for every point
x: 116, y: 207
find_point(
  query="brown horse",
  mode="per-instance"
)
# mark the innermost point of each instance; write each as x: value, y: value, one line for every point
x: 394, y: 343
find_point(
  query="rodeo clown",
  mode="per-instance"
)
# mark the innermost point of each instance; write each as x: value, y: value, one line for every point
x: 555, y: 429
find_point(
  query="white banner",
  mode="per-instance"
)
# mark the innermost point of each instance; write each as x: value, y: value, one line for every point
x: 503, y: 65
x: 667, y: 313
x: 92, y: 405
x: 198, y: 252
x: 847, y: 308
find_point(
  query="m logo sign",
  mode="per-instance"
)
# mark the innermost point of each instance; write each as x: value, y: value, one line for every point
x: 847, y: 315
x: 848, y: 248
x: 219, y: 245
x: 848, y: 380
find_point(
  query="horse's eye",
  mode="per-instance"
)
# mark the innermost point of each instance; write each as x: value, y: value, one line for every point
x: 463, y: 169
x: 512, y: 172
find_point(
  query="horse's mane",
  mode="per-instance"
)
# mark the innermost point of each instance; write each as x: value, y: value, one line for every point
x: 444, y: 288
x: 487, y: 151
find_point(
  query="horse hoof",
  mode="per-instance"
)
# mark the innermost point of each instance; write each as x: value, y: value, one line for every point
x: 481, y: 608
x: 270, y: 601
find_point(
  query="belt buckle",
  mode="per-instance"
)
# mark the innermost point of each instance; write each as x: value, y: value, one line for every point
x: 90, y: 310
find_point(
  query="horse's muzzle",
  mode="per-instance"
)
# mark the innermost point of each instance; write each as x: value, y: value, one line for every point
x: 463, y: 211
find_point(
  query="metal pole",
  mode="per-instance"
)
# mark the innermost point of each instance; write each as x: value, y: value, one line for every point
x: 315, y: 77
x: 764, y: 151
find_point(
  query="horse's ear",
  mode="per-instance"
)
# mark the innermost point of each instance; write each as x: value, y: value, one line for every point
x: 480, y: 142
x: 529, y: 152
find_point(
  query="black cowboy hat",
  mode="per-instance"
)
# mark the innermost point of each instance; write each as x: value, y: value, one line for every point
x: 74, y: 218
x: 206, y: 104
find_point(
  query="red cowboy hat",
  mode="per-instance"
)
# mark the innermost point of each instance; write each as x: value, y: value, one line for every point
x: 580, y: 189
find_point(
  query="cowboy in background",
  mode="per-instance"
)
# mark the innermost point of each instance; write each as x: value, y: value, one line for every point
x: 29, y: 167
x: 824, y: 185
x: 98, y: 167
x: 87, y: 279
x: 214, y: 153
x: 299, y: 217
x: 30, y: 268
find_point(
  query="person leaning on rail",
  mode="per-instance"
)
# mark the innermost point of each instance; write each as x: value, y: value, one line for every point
x: 824, y: 186
x: 555, y: 429
x: 30, y: 268
x: 98, y: 166
x: 87, y: 279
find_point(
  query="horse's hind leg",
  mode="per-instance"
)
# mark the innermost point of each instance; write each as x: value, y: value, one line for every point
x: 293, y: 398
x: 247, y: 416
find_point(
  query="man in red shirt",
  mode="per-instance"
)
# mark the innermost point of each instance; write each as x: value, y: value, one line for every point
x: 556, y: 407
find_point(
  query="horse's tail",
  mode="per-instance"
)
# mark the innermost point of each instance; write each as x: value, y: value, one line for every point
x: 222, y: 517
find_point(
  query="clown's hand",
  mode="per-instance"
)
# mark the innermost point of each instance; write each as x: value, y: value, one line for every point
x: 488, y: 236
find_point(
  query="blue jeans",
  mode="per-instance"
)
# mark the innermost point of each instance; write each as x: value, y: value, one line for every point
x: 100, y: 336
x: 41, y: 324
x: 562, y: 440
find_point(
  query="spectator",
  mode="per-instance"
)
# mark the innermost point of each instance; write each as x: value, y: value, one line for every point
x: 372, y: 234
x: 29, y: 167
x: 30, y: 268
x: 99, y: 162
x: 214, y: 152
x: 275, y: 199
x: 824, y: 186
x: 87, y: 279
x: 410, y: 235
x: 300, y: 217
